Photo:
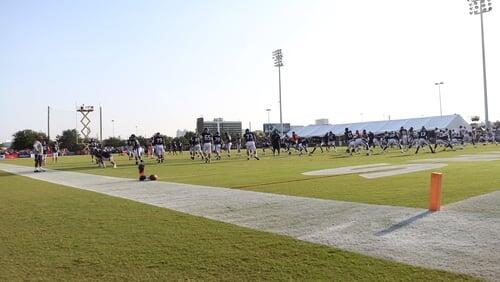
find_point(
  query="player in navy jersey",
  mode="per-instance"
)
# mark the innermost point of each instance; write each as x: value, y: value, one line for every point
x: 130, y: 149
x: 392, y: 138
x: 238, y: 143
x: 403, y: 138
x: 92, y: 146
x: 331, y: 141
x: 250, y: 145
x: 159, y: 147
x: 55, y: 152
x: 348, y: 138
x: 195, y: 148
x: 371, y: 141
x: 412, y: 137
x: 206, y: 138
x: 443, y: 137
x: 276, y: 142
x: 217, y: 145
x: 101, y: 156
x: 136, y: 148
x: 423, y: 140
x: 317, y: 142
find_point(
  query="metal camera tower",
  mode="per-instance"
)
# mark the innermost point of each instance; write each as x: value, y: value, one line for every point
x: 85, y: 121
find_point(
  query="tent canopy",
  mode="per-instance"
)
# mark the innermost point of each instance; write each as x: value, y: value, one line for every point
x: 441, y: 122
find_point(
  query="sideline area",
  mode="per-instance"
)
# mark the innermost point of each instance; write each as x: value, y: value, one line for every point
x: 463, y: 238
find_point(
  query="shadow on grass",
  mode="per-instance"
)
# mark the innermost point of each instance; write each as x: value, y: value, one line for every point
x: 403, y: 223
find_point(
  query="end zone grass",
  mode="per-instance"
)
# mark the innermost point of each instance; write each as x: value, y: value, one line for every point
x: 282, y: 175
x: 51, y: 232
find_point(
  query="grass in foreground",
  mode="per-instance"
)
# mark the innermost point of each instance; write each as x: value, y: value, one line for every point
x: 51, y: 232
x: 282, y: 175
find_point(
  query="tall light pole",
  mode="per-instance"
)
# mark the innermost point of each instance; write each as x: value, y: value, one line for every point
x: 479, y: 7
x: 440, y: 105
x: 268, y: 116
x: 113, y: 122
x: 278, y: 62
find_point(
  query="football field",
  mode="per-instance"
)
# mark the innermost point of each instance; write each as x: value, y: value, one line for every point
x: 66, y: 233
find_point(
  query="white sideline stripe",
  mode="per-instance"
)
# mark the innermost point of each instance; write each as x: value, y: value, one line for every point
x: 376, y: 170
x: 347, y: 169
x: 401, y: 169
x: 453, y: 240
x: 482, y: 157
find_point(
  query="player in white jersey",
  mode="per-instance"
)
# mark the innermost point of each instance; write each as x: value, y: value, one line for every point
x: 38, y: 153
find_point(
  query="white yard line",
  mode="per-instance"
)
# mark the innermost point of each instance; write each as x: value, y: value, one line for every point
x: 464, y: 238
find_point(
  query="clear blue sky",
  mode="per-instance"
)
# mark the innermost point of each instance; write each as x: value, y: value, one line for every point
x: 158, y: 65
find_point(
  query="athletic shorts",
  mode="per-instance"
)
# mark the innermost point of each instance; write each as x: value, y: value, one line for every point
x: 159, y: 150
x: 250, y: 145
x: 207, y: 148
x: 423, y: 142
x: 392, y: 142
x: 197, y: 148
x: 217, y: 148
x: 229, y: 145
x: 137, y: 152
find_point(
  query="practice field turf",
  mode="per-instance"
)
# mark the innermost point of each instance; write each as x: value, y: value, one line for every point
x: 51, y: 232
x: 282, y: 175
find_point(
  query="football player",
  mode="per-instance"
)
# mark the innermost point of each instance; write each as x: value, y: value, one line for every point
x: 250, y: 145
x: 159, y: 149
x: 217, y: 145
x: 136, y: 148
x: 228, y: 143
x: 423, y: 140
x: 206, y: 137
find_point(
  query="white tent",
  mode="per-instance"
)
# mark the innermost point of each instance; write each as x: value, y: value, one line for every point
x: 441, y: 122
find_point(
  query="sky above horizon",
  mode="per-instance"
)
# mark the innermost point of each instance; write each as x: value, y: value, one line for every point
x: 158, y: 65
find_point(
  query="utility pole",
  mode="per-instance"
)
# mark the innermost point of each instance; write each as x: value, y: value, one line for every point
x: 479, y: 7
x: 438, y: 84
x: 48, y: 123
x: 100, y: 123
x: 278, y: 62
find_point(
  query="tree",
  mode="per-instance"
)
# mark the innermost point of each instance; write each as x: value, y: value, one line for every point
x: 24, y: 139
x: 113, y: 142
x: 68, y: 140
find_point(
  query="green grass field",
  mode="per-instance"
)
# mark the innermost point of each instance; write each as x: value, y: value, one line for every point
x: 282, y: 175
x: 51, y: 232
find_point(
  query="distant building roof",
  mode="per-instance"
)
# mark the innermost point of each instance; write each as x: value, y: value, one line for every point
x: 441, y: 122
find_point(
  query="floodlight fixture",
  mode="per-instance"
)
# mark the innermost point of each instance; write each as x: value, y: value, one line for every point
x: 479, y: 7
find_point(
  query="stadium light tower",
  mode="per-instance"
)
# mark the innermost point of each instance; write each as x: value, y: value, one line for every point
x: 440, y: 105
x: 278, y: 62
x: 268, y: 116
x: 479, y: 7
